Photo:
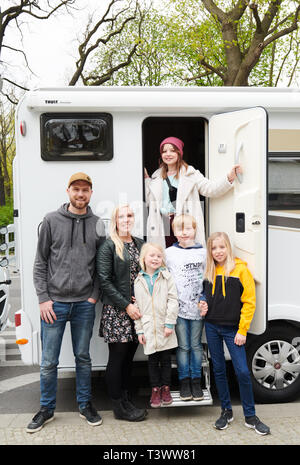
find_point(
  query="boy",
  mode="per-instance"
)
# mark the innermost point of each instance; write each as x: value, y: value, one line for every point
x: 186, y: 261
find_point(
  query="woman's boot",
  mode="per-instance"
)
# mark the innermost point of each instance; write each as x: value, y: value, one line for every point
x: 121, y: 413
x: 127, y: 402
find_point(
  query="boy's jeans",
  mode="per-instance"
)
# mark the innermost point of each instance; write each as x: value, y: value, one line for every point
x: 189, y: 351
x: 215, y: 335
x: 81, y: 316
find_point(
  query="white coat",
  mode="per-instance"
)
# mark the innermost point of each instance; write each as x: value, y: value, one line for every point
x: 191, y: 184
x: 157, y: 309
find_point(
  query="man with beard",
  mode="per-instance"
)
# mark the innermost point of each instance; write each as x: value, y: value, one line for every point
x: 67, y: 288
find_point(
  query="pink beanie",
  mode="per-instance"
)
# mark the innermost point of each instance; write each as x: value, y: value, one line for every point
x: 174, y: 141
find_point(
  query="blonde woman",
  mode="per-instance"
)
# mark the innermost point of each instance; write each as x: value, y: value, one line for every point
x: 230, y: 293
x: 118, y: 266
x: 174, y: 189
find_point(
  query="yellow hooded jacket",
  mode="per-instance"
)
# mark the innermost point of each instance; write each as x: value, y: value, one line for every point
x: 231, y: 299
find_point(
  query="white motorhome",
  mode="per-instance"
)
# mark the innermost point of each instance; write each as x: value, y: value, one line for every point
x: 113, y: 133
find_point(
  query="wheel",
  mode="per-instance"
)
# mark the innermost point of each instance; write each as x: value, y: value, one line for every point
x: 274, y: 363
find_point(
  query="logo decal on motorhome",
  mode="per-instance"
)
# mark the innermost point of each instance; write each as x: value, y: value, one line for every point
x: 51, y: 101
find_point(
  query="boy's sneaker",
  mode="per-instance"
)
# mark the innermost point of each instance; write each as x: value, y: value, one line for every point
x: 39, y: 420
x: 197, y: 392
x: 225, y: 418
x: 90, y: 414
x: 185, y: 389
x: 166, y: 397
x: 255, y: 423
x: 155, y: 400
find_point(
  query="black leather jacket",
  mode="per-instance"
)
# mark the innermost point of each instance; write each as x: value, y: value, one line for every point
x: 114, y: 274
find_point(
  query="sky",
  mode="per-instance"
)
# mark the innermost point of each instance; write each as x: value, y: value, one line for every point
x: 50, y: 46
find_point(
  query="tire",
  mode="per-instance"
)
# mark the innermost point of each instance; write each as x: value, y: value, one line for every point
x: 274, y: 363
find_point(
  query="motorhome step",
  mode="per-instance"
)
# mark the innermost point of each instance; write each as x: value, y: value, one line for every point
x: 177, y: 402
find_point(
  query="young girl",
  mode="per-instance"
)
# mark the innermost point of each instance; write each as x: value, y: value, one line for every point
x: 230, y: 294
x: 156, y: 297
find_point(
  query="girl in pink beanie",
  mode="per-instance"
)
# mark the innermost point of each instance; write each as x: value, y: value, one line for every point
x: 174, y: 189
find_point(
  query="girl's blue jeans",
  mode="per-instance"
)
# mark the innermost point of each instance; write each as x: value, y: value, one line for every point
x: 81, y: 316
x: 215, y: 335
x: 189, y: 351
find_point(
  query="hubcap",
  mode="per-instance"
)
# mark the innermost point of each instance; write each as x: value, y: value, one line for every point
x: 276, y: 364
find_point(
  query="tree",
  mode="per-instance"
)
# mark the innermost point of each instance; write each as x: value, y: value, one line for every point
x: 7, y: 150
x: 11, y: 15
x: 231, y: 37
x: 98, y: 37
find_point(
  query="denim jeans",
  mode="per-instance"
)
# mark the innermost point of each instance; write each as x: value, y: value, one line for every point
x: 189, y: 351
x: 215, y: 335
x: 81, y: 316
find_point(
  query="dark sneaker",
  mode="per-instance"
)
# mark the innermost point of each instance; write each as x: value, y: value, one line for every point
x: 166, y: 397
x: 39, y: 420
x: 255, y: 423
x: 185, y: 389
x: 90, y: 414
x: 225, y: 418
x: 129, y: 405
x: 197, y: 392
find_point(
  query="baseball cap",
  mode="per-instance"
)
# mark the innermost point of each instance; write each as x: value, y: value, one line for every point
x: 80, y: 177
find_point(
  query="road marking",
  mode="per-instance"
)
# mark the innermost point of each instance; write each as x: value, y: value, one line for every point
x: 23, y: 380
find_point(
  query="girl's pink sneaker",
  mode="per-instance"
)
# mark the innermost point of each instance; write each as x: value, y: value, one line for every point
x: 155, y: 400
x: 166, y: 395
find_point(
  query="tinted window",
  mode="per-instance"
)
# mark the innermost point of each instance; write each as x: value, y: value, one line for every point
x: 284, y: 181
x: 76, y: 137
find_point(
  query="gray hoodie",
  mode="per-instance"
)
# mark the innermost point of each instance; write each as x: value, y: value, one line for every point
x: 64, y: 267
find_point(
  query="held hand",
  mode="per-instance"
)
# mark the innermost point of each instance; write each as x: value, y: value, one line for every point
x: 142, y: 339
x: 203, y: 307
x: 91, y: 300
x: 239, y: 339
x: 232, y: 174
x: 168, y: 332
x: 146, y: 175
x: 47, y: 312
x: 133, y: 311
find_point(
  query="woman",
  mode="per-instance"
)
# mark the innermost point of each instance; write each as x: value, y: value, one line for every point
x: 174, y: 189
x: 118, y: 266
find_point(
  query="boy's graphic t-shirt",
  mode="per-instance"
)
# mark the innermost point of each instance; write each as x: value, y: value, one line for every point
x: 187, y: 266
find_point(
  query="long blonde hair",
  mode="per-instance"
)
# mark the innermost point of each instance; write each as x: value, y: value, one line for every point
x: 210, y: 263
x: 113, y: 230
x: 145, y: 249
x: 179, y: 164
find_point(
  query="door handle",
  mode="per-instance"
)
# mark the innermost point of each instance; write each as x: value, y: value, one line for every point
x: 237, y: 162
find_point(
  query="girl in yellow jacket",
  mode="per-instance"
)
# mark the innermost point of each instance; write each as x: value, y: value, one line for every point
x: 230, y: 294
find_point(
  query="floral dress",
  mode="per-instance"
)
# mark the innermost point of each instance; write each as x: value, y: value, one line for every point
x: 116, y: 325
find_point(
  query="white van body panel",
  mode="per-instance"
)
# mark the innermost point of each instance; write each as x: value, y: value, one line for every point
x: 40, y: 186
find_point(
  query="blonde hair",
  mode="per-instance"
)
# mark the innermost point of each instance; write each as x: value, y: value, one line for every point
x: 179, y: 221
x: 145, y: 249
x: 113, y: 230
x: 179, y: 164
x: 210, y: 263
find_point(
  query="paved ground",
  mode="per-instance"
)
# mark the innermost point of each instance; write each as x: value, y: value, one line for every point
x: 184, y: 426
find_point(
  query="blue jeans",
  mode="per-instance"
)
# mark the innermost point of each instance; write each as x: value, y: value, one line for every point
x: 215, y: 335
x: 189, y: 351
x: 81, y: 316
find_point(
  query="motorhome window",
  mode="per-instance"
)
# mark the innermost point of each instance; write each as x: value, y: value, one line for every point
x: 284, y: 185
x: 69, y: 137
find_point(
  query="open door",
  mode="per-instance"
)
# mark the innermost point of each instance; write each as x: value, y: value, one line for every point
x: 241, y: 137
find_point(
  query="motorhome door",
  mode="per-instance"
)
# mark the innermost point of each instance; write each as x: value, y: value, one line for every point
x: 241, y: 137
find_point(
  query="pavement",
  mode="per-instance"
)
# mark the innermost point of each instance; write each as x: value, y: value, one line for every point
x: 190, y: 426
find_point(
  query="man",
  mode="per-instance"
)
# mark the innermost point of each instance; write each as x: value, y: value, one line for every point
x: 67, y: 288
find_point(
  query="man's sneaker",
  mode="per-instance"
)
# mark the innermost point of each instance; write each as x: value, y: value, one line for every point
x: 197, y: 392
x: 39, y: 420
x: 255, y: 423
x: 185, y: 389
x: 90, y: 414
x: 225, y: 418
x: 155, y: 400
x: 166, y: 397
